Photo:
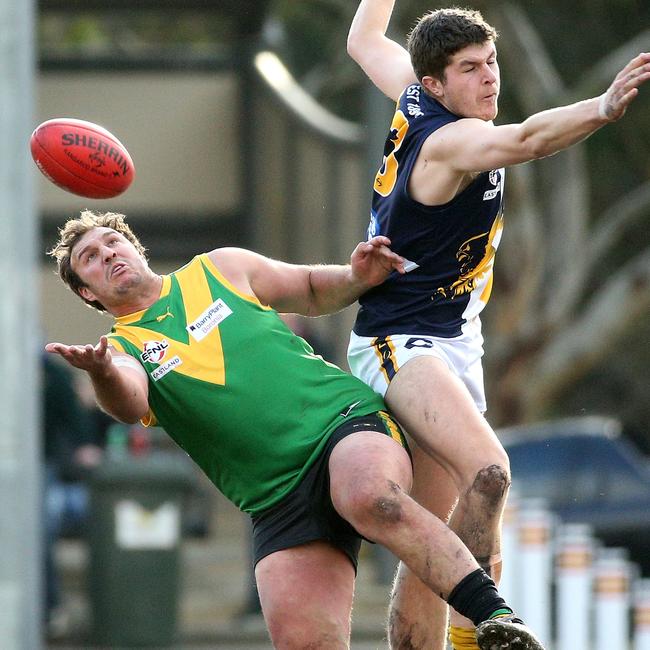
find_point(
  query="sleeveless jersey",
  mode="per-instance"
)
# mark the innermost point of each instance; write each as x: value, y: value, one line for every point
x: 450, y: 248
x: 244, y: 396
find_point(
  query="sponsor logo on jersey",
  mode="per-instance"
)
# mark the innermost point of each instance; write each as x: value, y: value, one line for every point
x: 413, y: 101
x: 344, y: 414
x: 494, y: 179
x: 373, y: 226
x: 215, y: 314
x: 163, y: 316
x: 154, y: 351
x: 166, y: 367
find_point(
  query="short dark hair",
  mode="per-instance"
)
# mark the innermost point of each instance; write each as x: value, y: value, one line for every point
x: 439, y: 34
x: 70, y: 234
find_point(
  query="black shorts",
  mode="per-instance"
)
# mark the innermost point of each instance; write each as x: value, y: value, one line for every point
x: 307, y: 514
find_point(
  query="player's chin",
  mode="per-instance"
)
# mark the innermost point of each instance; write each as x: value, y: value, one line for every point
x: 488, y: 107
x: 489, y: 113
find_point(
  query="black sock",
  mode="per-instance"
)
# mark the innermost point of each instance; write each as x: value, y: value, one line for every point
x: 476, y: 597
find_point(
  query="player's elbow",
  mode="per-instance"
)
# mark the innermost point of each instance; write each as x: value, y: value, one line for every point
x: 355, y: 46
x: 124, y: 415
x: 139, y: 411
x: 133, y: 416
x: 361, y: 45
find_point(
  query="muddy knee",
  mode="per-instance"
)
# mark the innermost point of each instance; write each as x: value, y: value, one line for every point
x: 492, y: 483
x: 387, y: 507
x: 376, y: 509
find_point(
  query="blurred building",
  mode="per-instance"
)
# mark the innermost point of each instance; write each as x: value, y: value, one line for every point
x: 228, y: 149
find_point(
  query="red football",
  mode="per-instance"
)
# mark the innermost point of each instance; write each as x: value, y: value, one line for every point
x: 82, y: 158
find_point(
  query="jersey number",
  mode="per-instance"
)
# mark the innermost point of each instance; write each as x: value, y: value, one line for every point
x: 387, y: 175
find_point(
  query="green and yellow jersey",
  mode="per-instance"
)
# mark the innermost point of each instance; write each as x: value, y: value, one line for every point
x: 244, y: 396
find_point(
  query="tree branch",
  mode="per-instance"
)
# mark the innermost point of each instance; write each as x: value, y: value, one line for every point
x: 595, y: 81
x: 577, y: 349
x: 538, y: 83
x: 611, y: 225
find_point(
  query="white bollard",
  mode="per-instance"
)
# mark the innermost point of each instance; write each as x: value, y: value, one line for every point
x: 641, y: 604
x: 612, y: 573
x: 535, y: 566
x: 508, y: 585
x: 573, y: 579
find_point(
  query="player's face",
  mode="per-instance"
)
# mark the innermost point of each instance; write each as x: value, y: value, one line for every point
x: 109, y: 265
x: 471, y: 84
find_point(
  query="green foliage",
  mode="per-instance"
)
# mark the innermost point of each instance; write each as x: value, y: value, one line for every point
x: 137, y: 32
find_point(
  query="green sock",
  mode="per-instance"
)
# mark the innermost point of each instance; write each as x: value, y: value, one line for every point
x: 504, y: 611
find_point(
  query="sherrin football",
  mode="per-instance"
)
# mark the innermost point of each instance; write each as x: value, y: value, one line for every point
x: 82, y: 158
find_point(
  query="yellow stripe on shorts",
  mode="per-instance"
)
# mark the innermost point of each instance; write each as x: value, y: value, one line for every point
x: 385, y: 351
x: 393, y: 428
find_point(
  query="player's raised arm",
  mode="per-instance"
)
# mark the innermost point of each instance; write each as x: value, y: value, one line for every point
x: 311, y: 290
x: 120, y: 383
x: 386, y: 63
x: 476, y: 145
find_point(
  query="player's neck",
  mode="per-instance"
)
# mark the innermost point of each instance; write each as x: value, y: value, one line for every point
x: 141, y: 297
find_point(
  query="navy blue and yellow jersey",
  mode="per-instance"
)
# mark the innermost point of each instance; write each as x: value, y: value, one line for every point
x: 450, y: 248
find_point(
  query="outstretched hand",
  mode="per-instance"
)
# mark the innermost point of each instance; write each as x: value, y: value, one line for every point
x: 123, y: 395
x: 373, y: 261
x: 624, y: 88
x: 94, y: 359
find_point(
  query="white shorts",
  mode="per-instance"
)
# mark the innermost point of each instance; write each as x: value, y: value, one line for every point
x: 376, y: 360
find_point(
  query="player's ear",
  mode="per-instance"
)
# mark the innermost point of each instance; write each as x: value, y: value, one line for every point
x: 433, y: 86
x: 87, y: 294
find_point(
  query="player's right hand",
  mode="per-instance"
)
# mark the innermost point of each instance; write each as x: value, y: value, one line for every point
x: 95, y: 359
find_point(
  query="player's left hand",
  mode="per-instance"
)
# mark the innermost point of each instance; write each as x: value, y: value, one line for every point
x: 373, y: 261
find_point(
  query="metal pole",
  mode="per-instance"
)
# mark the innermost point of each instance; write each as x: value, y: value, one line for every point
x: 573, y: 577
x: 641, y: 603
x: 536, y: 524
x: 509, y: 584
x: 612, y: 584
x: 20, y: 560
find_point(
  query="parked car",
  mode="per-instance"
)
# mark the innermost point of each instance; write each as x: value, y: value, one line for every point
x: 587, y: 472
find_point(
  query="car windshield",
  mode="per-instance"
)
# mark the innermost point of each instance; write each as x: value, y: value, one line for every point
x: 578, y: 469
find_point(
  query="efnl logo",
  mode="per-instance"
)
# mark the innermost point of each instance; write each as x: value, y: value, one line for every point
x: 154, y: 351
x: 216, y: 313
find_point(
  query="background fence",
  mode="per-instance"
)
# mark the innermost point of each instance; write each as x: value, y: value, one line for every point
x: 575, y: 593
